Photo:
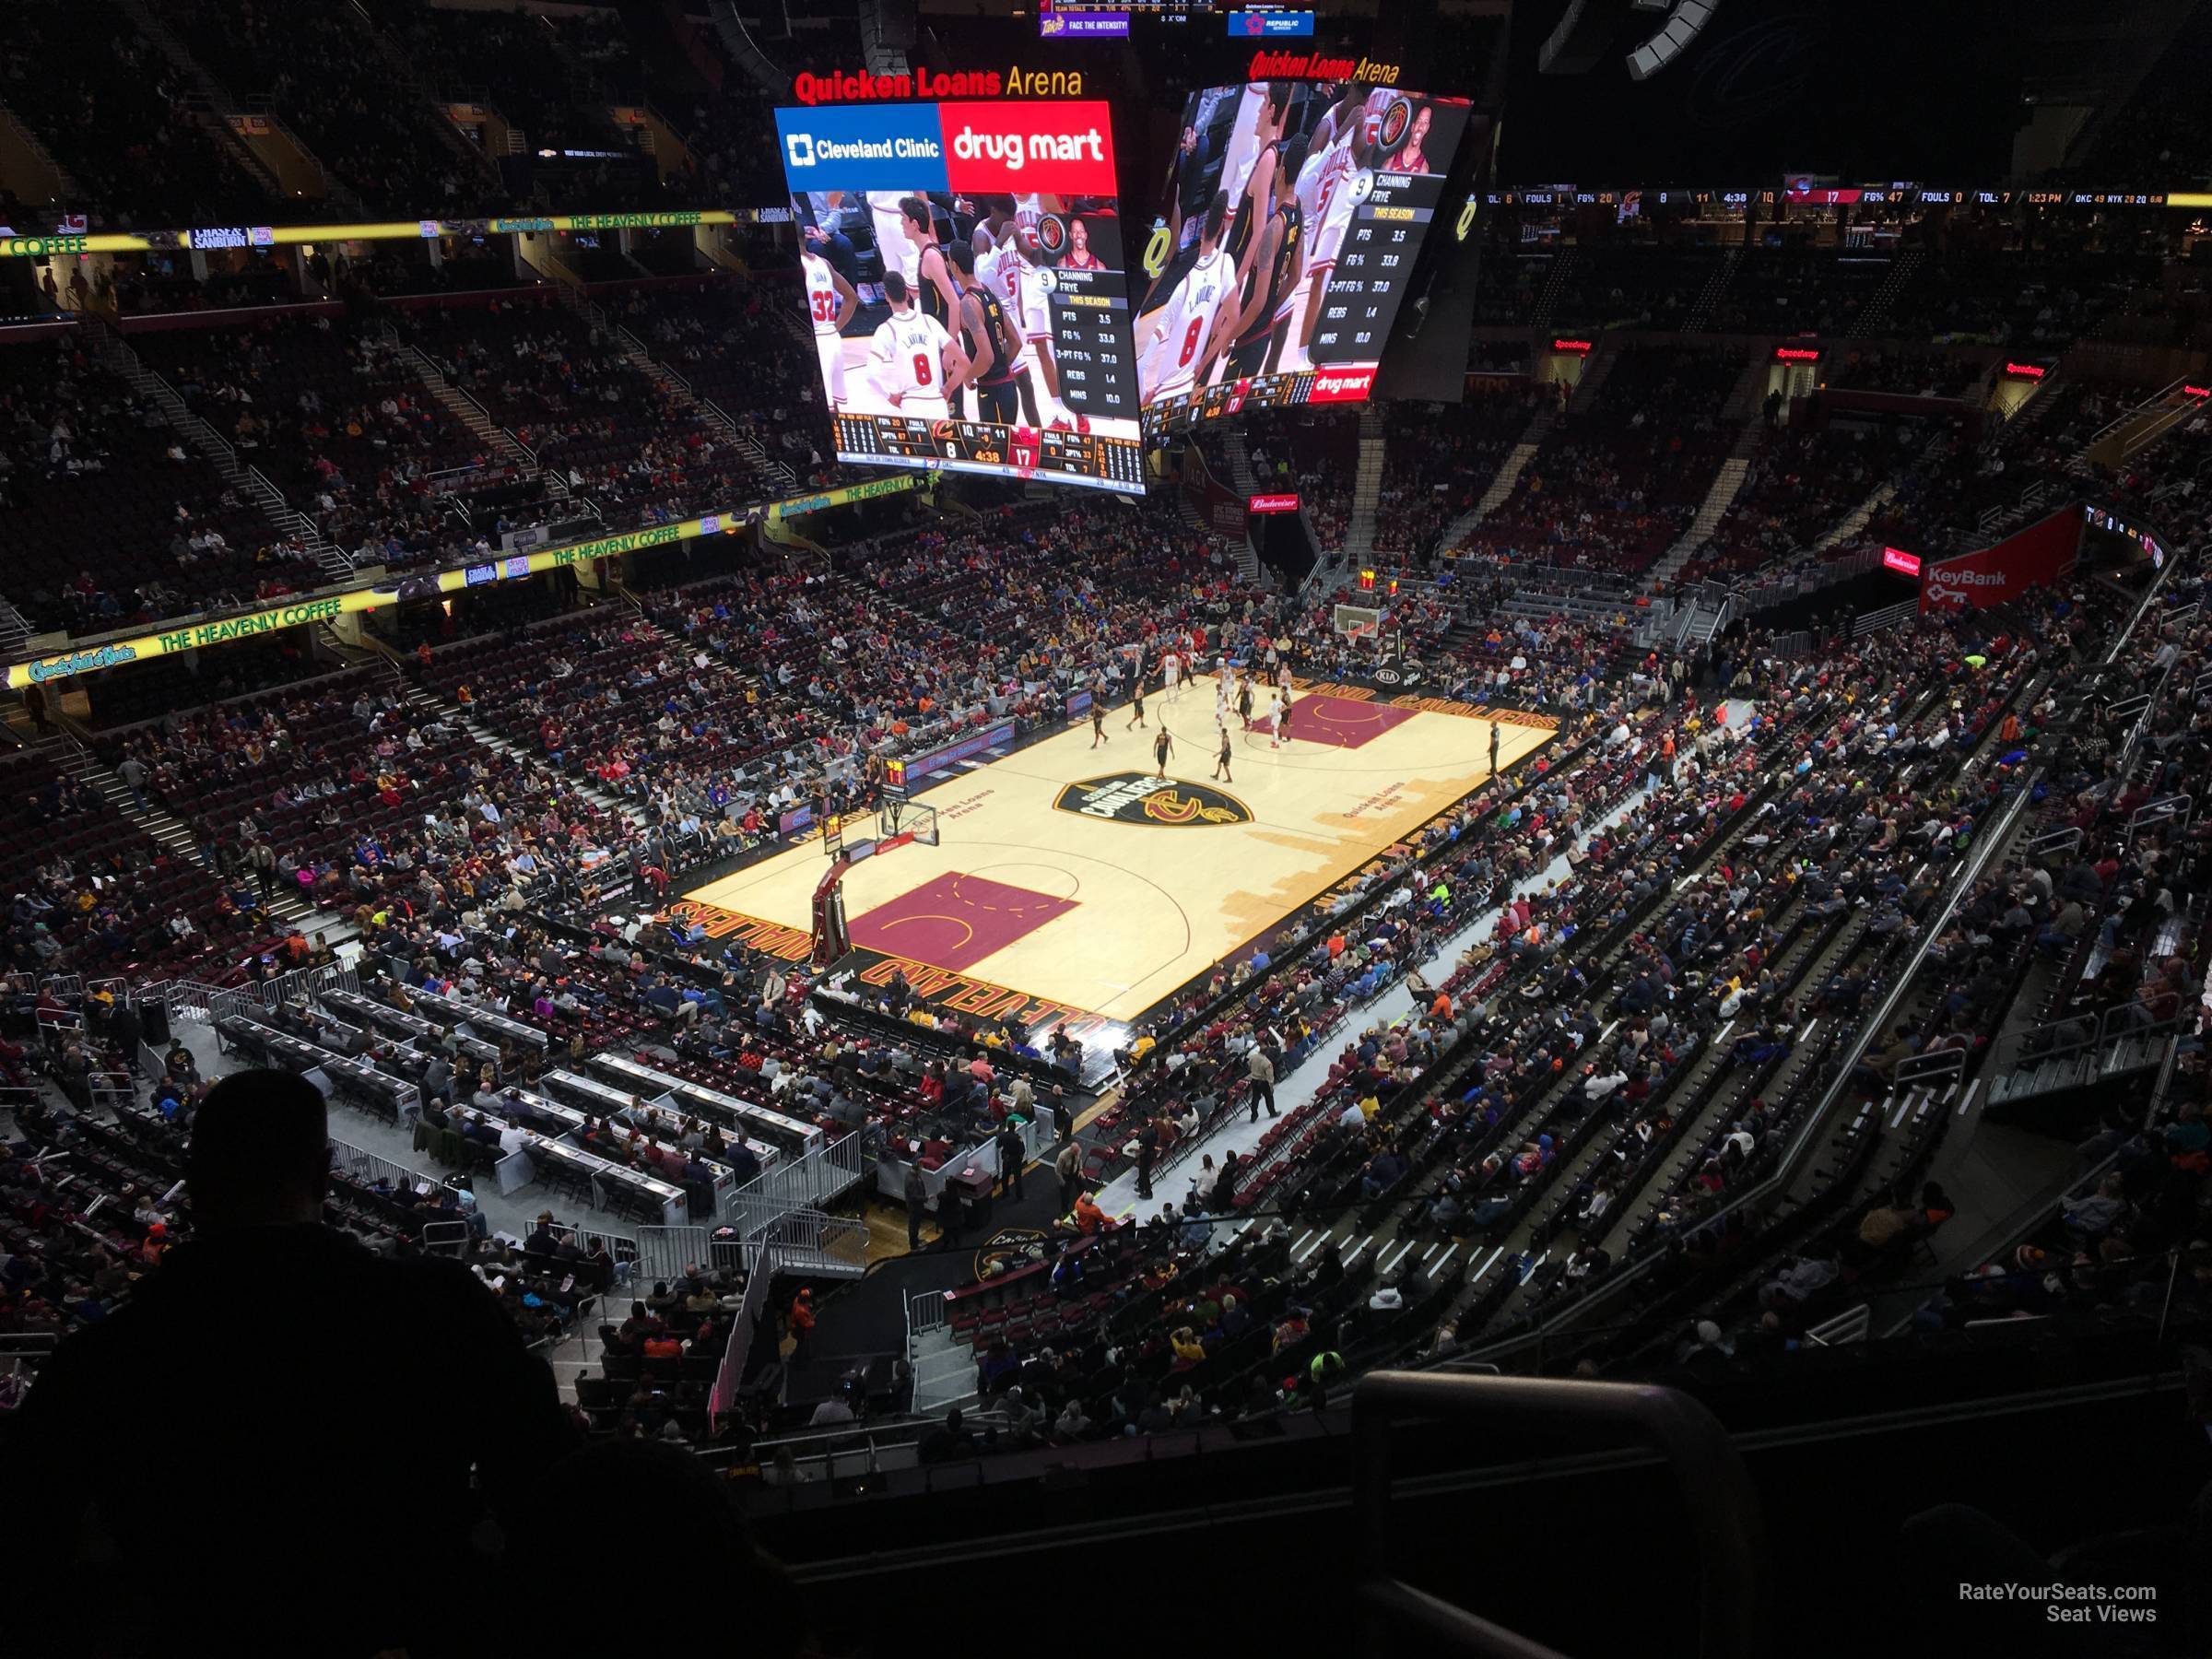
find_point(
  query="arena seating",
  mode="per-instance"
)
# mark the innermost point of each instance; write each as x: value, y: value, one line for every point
x: 83, y: 461
x: 1438, y: 462
x: 334, y: 87
x: 101, y: 98
x: 1612, y: 486
x: 1534, y: 1057
x: 1801, y: 484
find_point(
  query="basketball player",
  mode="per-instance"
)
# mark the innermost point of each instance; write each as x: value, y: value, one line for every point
x: 1282, y: 713
x: 1098, y: 721
x: 1162, y: 747
x: 1136, y: 701
x: 887, y: 210
x: 1170, y: 670
x: 1338, y: 120
x: 1190, y: 327
x: 1080, y: 256
x: 935, y: 291
x: 1020, y: 286
x: 1332, y: 207
x: 1221, y: 774
x: 830, y: 304
x: 1414, y: 155
x: 989, y: 340
x: 1244, y: 703
x: 1221, y: 701
x: 990, y: 230
x: 1269, y: 286
x: 1250, y: 174
x: 1321, y: 178
x: 914, y: 363
x: 1275, y: 719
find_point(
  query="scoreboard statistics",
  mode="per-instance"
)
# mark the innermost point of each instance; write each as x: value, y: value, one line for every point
x: 966, y: 281
x: 1294, y: 214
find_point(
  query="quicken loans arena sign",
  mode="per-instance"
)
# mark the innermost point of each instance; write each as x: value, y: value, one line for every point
x: 864, y: 86
x: 323, y: 608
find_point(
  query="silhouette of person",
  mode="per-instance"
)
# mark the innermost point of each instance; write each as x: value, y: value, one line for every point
x: 294, y: 1419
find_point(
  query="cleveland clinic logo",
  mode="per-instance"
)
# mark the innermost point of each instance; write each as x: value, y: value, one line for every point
x: 798, y: 148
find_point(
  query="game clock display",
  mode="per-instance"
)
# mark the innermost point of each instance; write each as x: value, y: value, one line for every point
x: 1294, y: 216
x: 1053, y: 456
x: 965, y: 283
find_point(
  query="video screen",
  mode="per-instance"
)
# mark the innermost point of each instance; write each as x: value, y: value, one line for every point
x: 1293, y: 216
x: 966, y: 280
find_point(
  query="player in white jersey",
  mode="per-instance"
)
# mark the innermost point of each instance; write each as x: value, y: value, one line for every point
x: 1171, y: 668
x: 897, y: 250
x: 1028, y: 220
x: 830, y: 304
x: 913, y: 362
x: 1189, y: 329
x: 1274, y: 720
x: 1334, y: 205
x: 1013, y: 274
x: 1319, y: 184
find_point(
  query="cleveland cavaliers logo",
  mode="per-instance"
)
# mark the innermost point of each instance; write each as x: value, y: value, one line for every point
x: 1397, y: 117
x: 1137, y: 798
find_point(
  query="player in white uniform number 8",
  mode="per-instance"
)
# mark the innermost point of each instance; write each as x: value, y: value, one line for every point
x: 1187, y: 331
x: 913, y: 362
x: 830, y: 304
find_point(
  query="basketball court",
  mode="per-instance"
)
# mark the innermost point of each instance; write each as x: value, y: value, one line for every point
x: 1071, y: 881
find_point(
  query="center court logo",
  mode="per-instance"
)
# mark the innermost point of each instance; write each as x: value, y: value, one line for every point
x: 1141, y: 798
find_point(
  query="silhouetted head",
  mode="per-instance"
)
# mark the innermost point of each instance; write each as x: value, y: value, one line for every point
x: 260, y: 1153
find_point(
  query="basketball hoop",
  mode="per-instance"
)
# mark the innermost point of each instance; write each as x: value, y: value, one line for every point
x: 899, y: 823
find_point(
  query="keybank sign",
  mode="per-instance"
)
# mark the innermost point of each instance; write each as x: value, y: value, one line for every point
x: 859, y: 148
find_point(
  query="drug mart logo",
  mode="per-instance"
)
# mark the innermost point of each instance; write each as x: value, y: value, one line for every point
x: 1138, y: 798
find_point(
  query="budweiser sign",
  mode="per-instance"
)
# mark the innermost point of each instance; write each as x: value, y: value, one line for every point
x: 1271, y: 504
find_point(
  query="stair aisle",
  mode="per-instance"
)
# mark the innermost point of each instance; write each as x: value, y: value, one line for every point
x: 172, y: 835
x: 944, y: 1372
x: 1366, y: 486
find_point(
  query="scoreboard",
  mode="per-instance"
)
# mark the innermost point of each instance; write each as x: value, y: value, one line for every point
x: 966, y: 287
x: 1049, y: 456
x: 1091, y: 339
x: 1279, y: 261
x: 1391, y: 213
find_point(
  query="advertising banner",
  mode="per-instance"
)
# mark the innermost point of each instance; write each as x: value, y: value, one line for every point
x: 2037, y: 557
x: 323, y: 608
x: 1220, y: 508
x: 210, y: 238
x: 920, y: 766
